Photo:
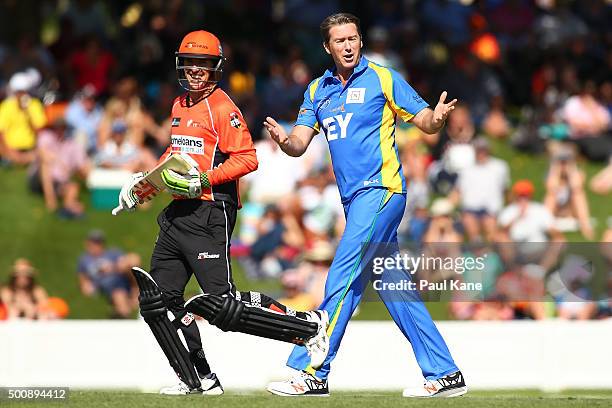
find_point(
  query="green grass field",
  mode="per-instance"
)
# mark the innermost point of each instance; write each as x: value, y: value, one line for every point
x: 488, y: 399
x: 53, y: 245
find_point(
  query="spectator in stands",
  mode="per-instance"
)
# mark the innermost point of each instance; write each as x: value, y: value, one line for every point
x: 21, y: 117
x: 522, y: 286
x: 272, y: 162
x: 323, y: 214
x: 106, y: 271
x: 379, y: 51
x: 442, y: 240
x: 601, y: 183
x: 476, y: 85
x: 565, y: 196
x: 293, y: 293
x: 83, y: 115
x: 480, y: 190
x: 22, y: 296
x: 530, y: 226
x: 126, y: 106
x: 59, y: 158
x: 313, y: 270
x: 92, y: 64
x: 118, y: 152
x: 589, y: 123
x: 451, y: 150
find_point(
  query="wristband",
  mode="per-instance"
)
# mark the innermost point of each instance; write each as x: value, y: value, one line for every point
x: 204, y: 180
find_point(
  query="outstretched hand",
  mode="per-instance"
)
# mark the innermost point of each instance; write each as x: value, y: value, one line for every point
x: 442, y: 110
x: 277, y: 132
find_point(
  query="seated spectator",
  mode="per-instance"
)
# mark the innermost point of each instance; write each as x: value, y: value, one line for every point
x: 323, y: 212
x: 84, y: 115
x: 589, y: 123
x: 601, y: 183
x: 293, y: 293
x: 451, y: 150
x: 22, y: 296
x: 316, y: 263
x: 119, y: 153
x: 565, y: 195
x: 480, y: 190
x: 21, y: 116
x: 526, y: 228
x: 126, y: 106
x: 58, y: 159
x: 523, y: 288
x: 106, y: 271
x: 442, y: 240
x: 279, y: 240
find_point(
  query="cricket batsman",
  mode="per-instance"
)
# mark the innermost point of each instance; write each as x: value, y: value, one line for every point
x: 196, y: 227
x: 356, y: 104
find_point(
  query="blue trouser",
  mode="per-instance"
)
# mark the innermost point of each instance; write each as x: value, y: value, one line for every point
x: 373, y: 217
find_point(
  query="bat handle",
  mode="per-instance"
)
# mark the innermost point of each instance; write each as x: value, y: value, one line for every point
x: 117, y: 210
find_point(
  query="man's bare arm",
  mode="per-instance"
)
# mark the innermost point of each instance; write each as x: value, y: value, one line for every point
x: 431, y: 121
x: 294, y: 144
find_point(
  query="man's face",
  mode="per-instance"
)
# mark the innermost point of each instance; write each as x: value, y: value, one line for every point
x: 198, y: 73
x: 344, y: 45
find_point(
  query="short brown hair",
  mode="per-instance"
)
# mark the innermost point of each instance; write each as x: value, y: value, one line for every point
x: 337, y: 19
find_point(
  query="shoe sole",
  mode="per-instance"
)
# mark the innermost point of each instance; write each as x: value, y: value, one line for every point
x: 452, y: 393
x: 213, y: 392
x: 283, y: 394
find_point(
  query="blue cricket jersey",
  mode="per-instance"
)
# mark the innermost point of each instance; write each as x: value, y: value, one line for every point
x: 358, y: 120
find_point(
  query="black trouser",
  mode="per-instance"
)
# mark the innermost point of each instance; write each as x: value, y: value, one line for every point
x: 193, y: 239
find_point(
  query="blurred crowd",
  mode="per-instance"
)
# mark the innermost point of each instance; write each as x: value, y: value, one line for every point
x: 87, y: 85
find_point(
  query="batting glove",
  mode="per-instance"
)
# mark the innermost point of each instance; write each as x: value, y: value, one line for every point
x: 127, y: 199
x: 187, y: 185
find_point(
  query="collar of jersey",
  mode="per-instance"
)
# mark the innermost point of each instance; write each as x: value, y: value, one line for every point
x: 362, y: 66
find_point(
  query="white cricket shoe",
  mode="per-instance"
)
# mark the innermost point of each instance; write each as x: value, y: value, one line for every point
x: 210, y: 385
x: 179, y: 389
x: 318, y: 345
x: 452, y: 385
x: 301, y: 384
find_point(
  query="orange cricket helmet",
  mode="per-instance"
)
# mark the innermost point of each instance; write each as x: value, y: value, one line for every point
x: 199, y: 45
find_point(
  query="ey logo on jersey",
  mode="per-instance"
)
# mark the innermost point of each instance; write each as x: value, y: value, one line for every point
x: 332, y: 123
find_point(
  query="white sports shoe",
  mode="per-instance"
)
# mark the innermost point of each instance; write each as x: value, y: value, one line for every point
x: 318, y: 345
x: 452, y: 385
x: 301, y: 384
x: 210, y: 386
x: 179, y: 389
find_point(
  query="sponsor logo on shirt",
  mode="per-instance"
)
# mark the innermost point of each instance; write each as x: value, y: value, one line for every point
x: 234, y: 120
x: 187, y: 144
x: 355, y: 95
x: 369, y: 182
x: 176, y: 122
x: 193, y: 123
x: 324, y: 103
x: 336, y: 123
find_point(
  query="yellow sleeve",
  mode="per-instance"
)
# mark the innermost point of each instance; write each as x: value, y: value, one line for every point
x: 37, y: 114
x: 3, y: 116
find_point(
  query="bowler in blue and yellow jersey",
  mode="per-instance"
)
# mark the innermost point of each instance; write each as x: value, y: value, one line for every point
x: 356, y: 104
